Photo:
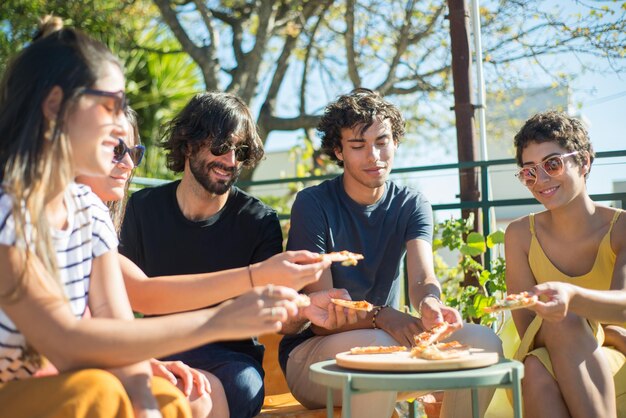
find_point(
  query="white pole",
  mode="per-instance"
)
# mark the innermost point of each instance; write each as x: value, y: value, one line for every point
x: 480, y: 88
x: 480, y: 98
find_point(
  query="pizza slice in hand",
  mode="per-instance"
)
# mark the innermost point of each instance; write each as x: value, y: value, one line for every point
x: 346, y: 258
x: 427, y: 338
x: 512, y: 301
x: 358, y: 305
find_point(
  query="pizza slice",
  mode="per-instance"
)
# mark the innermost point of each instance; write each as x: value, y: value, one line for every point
x: 346, y: 258
x: 358, y: 305
x: 441, y: 351
x: 377, y: 349
x: 512, y: 301
x: 430, y: 337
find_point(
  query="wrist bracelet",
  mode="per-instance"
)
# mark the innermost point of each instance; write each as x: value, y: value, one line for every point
x: 376, y: 312
x: 250, y: 276
x: 430, y: 295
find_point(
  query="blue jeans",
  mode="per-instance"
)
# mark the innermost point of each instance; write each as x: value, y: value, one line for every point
x: 238, y: 366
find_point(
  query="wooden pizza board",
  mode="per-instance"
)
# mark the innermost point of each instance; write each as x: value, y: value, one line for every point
x: 403, y: 362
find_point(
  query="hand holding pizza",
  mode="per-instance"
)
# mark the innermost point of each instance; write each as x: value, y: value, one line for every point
x: 323, y: 313
x: 435, y: 313
x: 557, y: 296
x: 259, y: 311
x: 294, y: 269
x: 401, y: 326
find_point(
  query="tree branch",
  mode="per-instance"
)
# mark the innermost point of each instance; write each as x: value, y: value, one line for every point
x: 213, y: 59
x: 401, y: 45
x: 199, y: 54
x: 353, y: 70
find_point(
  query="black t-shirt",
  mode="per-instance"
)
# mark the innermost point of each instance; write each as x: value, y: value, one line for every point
x: 158, y: 238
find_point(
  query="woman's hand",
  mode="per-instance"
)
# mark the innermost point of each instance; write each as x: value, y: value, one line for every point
x: 557, y: 297
x: 294, y: 269
x: 259, y: 311
x: 177, y: 370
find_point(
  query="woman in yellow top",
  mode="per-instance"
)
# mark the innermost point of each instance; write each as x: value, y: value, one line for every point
x: 568, y: 371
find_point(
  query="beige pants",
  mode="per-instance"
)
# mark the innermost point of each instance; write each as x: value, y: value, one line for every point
x: 456, y: 403
x: 90, y: 393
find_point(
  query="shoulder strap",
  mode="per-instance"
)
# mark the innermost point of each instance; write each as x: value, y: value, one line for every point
x: 531, y: 220
x: 615, y: 216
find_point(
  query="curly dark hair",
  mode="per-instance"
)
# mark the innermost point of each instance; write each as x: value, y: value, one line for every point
x: 359, y: 107
x: 569, y: 132
x: 210, y: 119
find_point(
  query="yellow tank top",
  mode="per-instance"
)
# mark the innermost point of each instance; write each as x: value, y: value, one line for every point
x: 598, y: 278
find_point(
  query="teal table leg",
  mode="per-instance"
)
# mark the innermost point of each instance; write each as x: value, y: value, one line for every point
x: 475, y: 411
x: 346, y: 411
x: 517, y: 394
x: 329, y: 403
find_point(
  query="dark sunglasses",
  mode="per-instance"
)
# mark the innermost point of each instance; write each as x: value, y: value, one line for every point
x: 120, y: 104
x: 552, y: 166
x: 242, y: 152
x: 136, y: 152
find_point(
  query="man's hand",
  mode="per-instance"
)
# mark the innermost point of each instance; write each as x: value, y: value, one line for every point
x: 434, y: 313
x: 177, y: 370
x: 401, y: 326
x: 323, y: 313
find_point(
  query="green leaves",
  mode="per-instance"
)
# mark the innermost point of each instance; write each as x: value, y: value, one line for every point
x: 456, y: 235
x: 475, y: 245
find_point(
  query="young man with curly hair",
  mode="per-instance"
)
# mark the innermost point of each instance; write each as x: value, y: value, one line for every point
x: 364, y: 212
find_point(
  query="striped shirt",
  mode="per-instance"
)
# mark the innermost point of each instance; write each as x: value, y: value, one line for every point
x: 89, y: 234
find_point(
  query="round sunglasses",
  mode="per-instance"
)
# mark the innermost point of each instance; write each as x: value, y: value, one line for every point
x: 135, y: 153
x: 552, y: 166
x: 242, y: 151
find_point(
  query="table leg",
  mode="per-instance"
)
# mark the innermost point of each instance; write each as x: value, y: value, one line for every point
x: 347, y: 395
x: 329, y: 403
x: 517, y: 394
x: 475, y: 411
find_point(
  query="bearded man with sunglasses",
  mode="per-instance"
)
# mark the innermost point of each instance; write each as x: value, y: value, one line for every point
x: 202, y: 224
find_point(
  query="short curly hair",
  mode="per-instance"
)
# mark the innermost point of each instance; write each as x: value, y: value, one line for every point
x: 209, y: 118
x: 567, y: 131
x: 360, y: 106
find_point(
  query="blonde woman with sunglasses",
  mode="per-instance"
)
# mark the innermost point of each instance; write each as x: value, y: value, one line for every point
x: 61, y: 114
x: 569, y: 370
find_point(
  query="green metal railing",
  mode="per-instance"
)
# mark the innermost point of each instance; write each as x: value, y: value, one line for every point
x: 484, y: 204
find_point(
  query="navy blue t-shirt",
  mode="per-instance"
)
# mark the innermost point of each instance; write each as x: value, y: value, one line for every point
x: 325, y: 219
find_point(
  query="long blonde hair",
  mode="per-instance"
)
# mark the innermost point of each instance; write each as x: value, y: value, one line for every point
x: 35, y: 154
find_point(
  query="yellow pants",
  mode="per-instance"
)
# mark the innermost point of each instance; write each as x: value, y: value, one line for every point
x: 91, y: 393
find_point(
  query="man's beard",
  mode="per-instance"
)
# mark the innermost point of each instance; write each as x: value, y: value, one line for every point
x: 201, y: 172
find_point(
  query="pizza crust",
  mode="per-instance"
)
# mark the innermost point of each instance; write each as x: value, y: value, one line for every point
x: 346, y: 258
x: 512, y: 302
x: 377, y: 349
x: 358, y: 305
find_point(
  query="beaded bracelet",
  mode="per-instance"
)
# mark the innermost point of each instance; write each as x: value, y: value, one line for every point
x: 376, y: 312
